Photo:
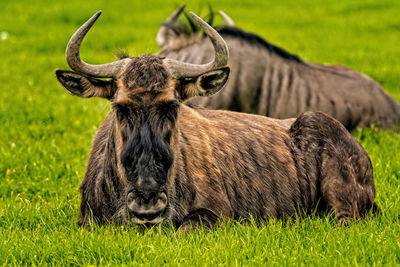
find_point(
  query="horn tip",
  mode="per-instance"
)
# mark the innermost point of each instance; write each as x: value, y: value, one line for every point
x: 179, y: 10
x: 226, y: 18
x: 98, y: 13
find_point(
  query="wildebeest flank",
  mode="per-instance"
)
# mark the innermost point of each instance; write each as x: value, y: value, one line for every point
x: 155, y: 159
x: 268, y: 80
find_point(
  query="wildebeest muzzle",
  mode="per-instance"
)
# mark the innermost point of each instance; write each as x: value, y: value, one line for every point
x: 146, y: 201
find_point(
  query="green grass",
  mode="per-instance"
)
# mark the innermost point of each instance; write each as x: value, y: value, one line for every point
x: 46, y: 135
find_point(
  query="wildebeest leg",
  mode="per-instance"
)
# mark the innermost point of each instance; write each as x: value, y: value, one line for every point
x: 199, y: 218
x: 338, y: 188
x: 336, y: 162
x: 347, y: 183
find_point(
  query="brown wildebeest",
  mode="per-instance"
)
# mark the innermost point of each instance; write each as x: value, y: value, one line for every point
x: 268, y: 80
x: 156, y: 159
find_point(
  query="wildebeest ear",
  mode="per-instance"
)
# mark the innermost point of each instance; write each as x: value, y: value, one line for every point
x: 211, y: 82
x: 83, y: 86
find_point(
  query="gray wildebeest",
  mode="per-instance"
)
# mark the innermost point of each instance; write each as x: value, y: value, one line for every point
x: 156, y: 159
x: 268, y: 80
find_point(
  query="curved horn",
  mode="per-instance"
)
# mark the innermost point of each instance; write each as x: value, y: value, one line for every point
x: 163, y: 32
x: 75, y: 62
x: 227, y: 19
x: 180, y: 69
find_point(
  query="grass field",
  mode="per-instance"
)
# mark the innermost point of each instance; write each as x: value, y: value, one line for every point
x: 46, y: 135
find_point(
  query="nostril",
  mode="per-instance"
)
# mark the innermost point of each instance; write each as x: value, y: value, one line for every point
x: 162, y: 197
x: 144, y: 197
x: 130, y: 197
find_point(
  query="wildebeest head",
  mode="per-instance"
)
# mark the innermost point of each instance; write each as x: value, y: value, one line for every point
x: 171, y: 30
x: 145, y: 93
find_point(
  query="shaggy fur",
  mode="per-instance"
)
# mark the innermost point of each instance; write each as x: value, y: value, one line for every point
x: 215, y: 164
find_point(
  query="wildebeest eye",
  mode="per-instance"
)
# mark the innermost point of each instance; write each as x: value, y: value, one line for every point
x: 168, y: 137
x: 168, y: 110
x: 117, y: 106
x: 186, y: 80
x: 123, y: 111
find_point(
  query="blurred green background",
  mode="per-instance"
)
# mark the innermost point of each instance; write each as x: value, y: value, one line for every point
x: 46, y: 133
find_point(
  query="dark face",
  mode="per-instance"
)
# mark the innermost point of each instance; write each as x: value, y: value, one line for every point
x: 145, y: 101
x: 146, y: 107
